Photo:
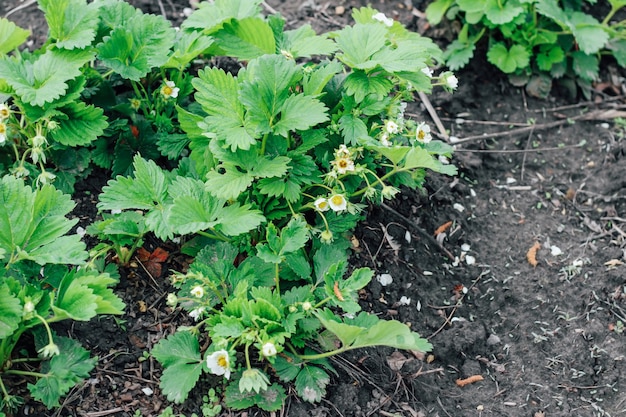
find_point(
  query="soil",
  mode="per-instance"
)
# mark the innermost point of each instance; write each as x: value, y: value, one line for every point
x: 541, y: 327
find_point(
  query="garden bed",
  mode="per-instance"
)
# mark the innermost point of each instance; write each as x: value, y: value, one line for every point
x: 541, y: 326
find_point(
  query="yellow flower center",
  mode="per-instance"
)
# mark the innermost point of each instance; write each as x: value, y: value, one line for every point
x: 4, y: 113
x: 3, y: 128
x: 322, y: 205
x: 337, y: 200
x: 167, y: 90
x: 421, y: 135
x: 342, y: 163
x: 222, y: 361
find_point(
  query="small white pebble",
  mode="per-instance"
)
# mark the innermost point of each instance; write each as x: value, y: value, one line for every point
x: 407, y: 236
x: 453, y: 139
x: 510, y: 180
x: 427, y: 273
x: 465, y: 247
x: 470, y: 260
x: 555, y: 250
x: 147, y: 391
x: 404, y: 301
x: 458, y: 207
x: 605, y: 125
x: 419, y: 305
x: 384, y: 279
x: 187, y: 11
x: 116, y: 211
x: 472, y: 192
x: 80, y: 231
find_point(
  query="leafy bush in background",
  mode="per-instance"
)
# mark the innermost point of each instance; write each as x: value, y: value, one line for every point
x: 535, y: 41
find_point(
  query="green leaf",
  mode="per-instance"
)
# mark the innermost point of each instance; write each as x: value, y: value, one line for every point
x: 508, y: 60
x: 147, y: 189
x: 384, y: 333
x: 407, y: 56
x: 472, y: 6
x: 359, y: 84
x: 352, y: 128
x: 44, y: 78
x: 83, y: 124
x: 138, y: 42
x: 551, y: 9
x: 618, y: 48
x: 11, y: 36
x: 10, y: 312
x: 106, y: 301
x: 300, y: 112
x: 218, y: 94
x: 360, y: 42
x: 303, y: 42
x: 436, y: 10
x: 246, y: 39
x: 62, y: 372
x: 180, y: 356
x: 74, y: 300
x: 188, y: 46
x: 228, y: 185
x: 291, y: 238
x: 421, y: 158
x: 589, y: 33
x: 548, y: 56
x: 270, y: 399
x: 311, y: 383
x: 34, y: 223
x: 501, y: 13
x: 236, y: 220
x: 314, y: 82
x: 458, y: 54
x: 266, y: 87
x: 210, y: 16
x: 72, y: 23
x: 585, y: 66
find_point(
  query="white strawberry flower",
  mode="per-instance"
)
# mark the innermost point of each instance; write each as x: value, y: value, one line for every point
x: 422, y: 133
x: 169, y: 90
x: 219, y: 363
x: 338, y: 202
x: 321, y: 204
x: 383, y: 19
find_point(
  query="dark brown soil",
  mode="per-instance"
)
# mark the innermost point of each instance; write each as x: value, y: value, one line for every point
x: 545, y: 339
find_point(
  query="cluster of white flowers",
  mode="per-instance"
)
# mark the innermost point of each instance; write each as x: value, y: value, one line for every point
x: 336, y: 202
x: 343, y: 162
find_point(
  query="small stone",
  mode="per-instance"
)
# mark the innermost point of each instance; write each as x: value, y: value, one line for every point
x: 384, y: 279
x: 493, y: 340
x: 340, y: 10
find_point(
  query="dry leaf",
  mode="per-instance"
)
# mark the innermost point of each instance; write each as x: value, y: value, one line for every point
x: 396, y: 361
x: 469, y: 380
x: 152, y: 261
x: 531, y: 255
x: 395, y: 246
x: 442, y: 228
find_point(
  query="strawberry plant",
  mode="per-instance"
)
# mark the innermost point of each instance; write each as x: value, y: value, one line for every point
x: 534, y: 41
x: 283, y: 157
x: 260, y: 173
x: 38, y: 288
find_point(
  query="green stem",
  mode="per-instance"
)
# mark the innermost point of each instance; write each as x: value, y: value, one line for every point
x: 323, y: 354
x: 264, y: 143
x: 610, y: 15
x: 213, y: 236
x: 45, y: 324
x: 247, y: 356
x: 277, y: 277
x: 25, y: 373
x: 5, y: 393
